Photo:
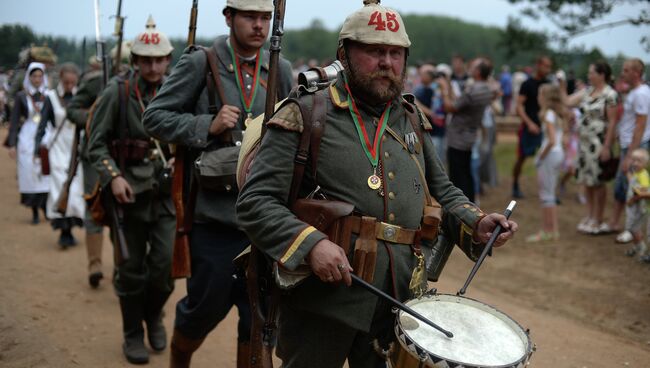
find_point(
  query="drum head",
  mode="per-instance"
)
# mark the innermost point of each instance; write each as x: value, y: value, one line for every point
x: 483, y: 336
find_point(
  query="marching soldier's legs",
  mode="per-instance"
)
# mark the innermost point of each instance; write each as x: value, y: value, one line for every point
x: 326, y: 343
x: 94, y: 231
x: 130, y: 283
x: 94, y: 243
x: 182, y: 348
x: 160, y: 284
x: 212, y: 290
x: 321, y: 343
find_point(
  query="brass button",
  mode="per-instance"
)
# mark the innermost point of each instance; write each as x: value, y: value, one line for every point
x: 386, y: 154
x: 113, y: 174
x: 105, y: 162
x: 391, y: 195
x: 110, y: 168
x: 465, y: 206
x: 391, y: 175
x: 391, y: 217
x: 473, y: 209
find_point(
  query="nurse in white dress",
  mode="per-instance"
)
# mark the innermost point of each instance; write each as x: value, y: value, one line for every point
x: 57, y: 133
x: 25, y: 118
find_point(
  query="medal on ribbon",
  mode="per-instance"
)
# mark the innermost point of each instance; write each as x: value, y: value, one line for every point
x: 246, y: 98
x: 371, y: 149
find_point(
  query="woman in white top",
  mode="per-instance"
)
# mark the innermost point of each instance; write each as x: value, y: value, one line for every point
x: 25, y: 117
x: 57, y: 133
x: 549, y: 160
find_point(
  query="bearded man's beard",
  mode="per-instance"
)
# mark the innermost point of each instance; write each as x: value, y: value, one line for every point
x: 363, y: 85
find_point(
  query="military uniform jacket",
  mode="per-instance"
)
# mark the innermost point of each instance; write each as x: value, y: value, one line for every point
x: 90, y: 88
x: 342, y: 172
x: 179, y: 114
x: 104, y: 129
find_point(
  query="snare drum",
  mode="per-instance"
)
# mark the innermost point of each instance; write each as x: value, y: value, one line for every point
x: 483, y: 336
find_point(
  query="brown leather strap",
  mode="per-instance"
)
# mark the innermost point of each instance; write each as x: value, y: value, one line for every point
x: 213, y: 83
x: 382, y: 231
x: 123, y: 134
x: 213, y: 76
x: 305, y: 148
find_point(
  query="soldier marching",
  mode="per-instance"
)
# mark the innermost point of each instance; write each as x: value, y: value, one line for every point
x: 132, y: 175
x: 343, y: 182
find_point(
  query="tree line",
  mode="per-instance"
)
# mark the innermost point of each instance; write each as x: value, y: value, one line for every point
x: 435, y: 40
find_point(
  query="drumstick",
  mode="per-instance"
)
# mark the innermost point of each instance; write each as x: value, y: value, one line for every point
x: 399, y: 304
x: 488, y: 248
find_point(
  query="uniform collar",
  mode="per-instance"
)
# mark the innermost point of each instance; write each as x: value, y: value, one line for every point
x: 221, y: 45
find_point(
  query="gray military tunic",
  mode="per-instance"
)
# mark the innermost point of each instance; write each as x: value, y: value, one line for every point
x: 179, y: 114
x: 343, y: 170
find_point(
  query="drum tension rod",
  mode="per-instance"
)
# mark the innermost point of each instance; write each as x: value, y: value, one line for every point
x: 488, y: 248
x: 398, y: 304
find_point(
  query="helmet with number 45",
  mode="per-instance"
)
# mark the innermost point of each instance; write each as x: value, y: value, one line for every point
x: 151, y: 42
x: 375, y: 25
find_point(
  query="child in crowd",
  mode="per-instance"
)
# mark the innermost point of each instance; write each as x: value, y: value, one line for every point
x: 636, y: 209
x: 549, y: 160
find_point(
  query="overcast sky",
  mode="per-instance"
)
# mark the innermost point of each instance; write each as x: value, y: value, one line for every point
x: 74, y: 18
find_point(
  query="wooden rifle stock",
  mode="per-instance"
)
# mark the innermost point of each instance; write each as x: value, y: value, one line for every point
x: 260, y: 281
x: 181, y: 265
x: 62, y: 203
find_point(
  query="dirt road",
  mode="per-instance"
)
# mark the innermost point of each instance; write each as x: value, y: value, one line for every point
x: 586, y: 304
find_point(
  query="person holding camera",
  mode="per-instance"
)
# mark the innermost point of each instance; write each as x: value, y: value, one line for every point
x: 467, y: 110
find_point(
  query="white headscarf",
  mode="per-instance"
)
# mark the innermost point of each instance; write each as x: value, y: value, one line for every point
x: 27, y: 84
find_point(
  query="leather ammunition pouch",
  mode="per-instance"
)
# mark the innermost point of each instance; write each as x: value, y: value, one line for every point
x: 132, y: 151
x: 326, y: 216
x: 95, y: 205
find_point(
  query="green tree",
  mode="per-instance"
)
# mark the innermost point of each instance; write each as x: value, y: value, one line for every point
x: 576, y: 17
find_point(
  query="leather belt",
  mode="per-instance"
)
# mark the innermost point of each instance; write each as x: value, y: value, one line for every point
x: 384, y: 231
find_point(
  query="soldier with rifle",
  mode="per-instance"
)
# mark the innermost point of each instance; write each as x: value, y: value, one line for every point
x: 78, y: 112
x: 204, y: 105
x: 134, y: 172
x: 360, y: 192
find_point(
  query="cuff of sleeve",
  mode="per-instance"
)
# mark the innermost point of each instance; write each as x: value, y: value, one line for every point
x: 201, y: 136
x: 298, y: 248
x: 108, y: 172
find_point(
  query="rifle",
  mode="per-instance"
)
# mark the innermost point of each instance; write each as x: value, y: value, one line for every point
x: 62, y: 203
x: 113, y: 208
x: 119, y: 33
x: 263, y: 294
x: 181, y: 265
x: 101, y: 47
x: 83, y: 56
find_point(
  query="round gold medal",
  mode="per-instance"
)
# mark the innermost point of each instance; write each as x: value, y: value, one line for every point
x: 36, y: 118
x: 374, y: 182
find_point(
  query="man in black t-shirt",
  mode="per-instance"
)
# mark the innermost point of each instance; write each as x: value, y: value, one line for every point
x: 530, y: 132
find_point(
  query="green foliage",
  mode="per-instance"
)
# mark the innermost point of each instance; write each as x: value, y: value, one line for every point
x: 574, y: 17
x: 14, y: 38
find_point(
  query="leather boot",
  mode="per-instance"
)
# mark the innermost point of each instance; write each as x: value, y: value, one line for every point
x: 243, y: 354
x: 94, y: 249
x: 132, y: 313
x: 153, y: 314
x: 182, y: 349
